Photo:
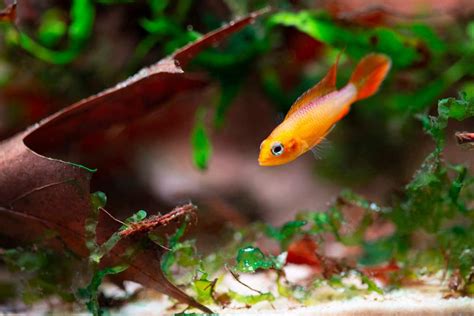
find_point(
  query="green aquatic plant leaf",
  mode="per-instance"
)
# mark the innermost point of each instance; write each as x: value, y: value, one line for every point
x: 450, y: 108
x: 52, y: 28
x: 371, y: 286
x: 470, y: 29
x: 229, y: 89
x: 82, y: 20
x: 285, y: 233
x: 98, y: 200
x: 204, y: 289
x: 435, y: 44
x: 97, y: 252
x: 160, y: 26
x: 91, y: 292
x: 358, y: 42
x: 135, y: 218
x: 106, y: 247
x: 201, y: 145
x: 250, y: 259
x: 322, y: 222
x: 459, y: 239
x: 175, y: 246
x: 378, y: 251
x: 38, y: 279
x: 114, y: 2
x: 251, y: 299
x: 292, y: 291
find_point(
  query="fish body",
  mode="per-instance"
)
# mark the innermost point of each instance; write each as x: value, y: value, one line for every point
x: 316, y: 112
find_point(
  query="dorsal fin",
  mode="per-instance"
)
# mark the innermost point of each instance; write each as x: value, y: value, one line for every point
x: 325, y: 86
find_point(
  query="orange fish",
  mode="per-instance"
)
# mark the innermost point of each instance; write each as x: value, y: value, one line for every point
x: 315, y: 113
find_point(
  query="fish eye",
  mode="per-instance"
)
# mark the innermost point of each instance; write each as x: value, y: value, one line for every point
x: 277, y: 149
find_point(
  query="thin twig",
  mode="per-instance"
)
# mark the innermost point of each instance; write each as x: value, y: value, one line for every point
x: 128, y: 225
x: 112, y: 217
x: 162, y: 246
x: 155, y: 221
x: 236, y: 277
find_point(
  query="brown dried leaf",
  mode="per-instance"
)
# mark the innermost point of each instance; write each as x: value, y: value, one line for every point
x: 8, y: 14
x: 38, y: 193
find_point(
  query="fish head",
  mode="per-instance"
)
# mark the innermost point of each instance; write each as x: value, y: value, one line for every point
x: 279, y: 150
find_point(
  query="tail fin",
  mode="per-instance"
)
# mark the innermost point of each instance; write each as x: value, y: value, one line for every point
x: 369, y: 74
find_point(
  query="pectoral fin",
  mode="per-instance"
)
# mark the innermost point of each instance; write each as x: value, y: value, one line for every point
x: 322, y: 144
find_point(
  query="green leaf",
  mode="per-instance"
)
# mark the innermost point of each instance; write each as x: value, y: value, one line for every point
x: 292, y: 291
x: 114, y: 2
x: 378, y: 251
x: 250, y: 259
x: 169, y: 258
x: 24, y: 260
x: 470, y: 30
x: 135, y: 218
x: 201, y: 145
x: 158, y: 6
x: 52, y: 28
x: 286, y: 232
x: 450, y: 108
x: 204, y: 289
x: 229, y: 89
x: 430, y: 38
x: 371, y: 286
x: 357, y: 42
x: 251, y: 299
x: 33, y: 267
x: 329, y: 221
x: 103, y: 249
x: 82, y: 20
x: 90, y: 293
x: 98, y: 200
x: 160, y: 26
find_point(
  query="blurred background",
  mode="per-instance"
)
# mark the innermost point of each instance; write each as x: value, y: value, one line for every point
x: 203, y: 145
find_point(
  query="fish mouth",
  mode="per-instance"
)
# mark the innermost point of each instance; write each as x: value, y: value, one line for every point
x: 263, y: 162
x: 266, y: 162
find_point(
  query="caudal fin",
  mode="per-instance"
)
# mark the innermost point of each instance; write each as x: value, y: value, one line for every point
x: 369, y: 74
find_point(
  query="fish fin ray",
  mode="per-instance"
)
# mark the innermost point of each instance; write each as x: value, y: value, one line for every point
x: 329, y: 130
x: 369, y: 74
x: 323, y: 145
x: 323, y: 87
x: 319, y: 151
x: 316, y: 153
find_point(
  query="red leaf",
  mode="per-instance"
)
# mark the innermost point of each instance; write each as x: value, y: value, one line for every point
x: 382, y: 273
x: 304, y: 251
